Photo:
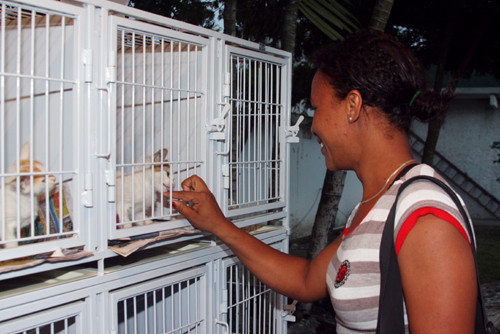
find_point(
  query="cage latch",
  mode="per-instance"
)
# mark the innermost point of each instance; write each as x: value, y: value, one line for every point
x: 288, y: 311
x: 111, y: 183
x: 225, y: 175
x: 223, y: 310
x: 217, y: 127
x: 87, y: 59
x: 87, y: 193
x: 224, y: 324
x: 290, y: 133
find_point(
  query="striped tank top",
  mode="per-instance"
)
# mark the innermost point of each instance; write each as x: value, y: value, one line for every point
x: 353, y: 275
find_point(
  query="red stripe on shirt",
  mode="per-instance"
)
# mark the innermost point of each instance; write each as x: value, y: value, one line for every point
x: 412, y: 220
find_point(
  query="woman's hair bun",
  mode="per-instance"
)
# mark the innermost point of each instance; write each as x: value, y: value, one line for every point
x: 429, y: 105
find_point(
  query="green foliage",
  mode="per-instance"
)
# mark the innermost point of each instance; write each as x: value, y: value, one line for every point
x: 488, y: 253
x: 197, y: 12
x: 331, y: 17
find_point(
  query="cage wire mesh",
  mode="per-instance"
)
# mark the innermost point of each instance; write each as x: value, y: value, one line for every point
x: 252, y: 305
x: 159, y: 104
x: 174, y: 308
x: 255, y: 154
x: 62, y: 326
x: 37, y: 89
x: 67, y: 319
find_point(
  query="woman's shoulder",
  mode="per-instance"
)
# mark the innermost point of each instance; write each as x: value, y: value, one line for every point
x: 421, y: 169
x: 423, y: 192
x: 423, y: 189
x: 424, y: 196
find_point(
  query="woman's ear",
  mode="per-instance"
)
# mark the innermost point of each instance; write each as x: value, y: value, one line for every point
x: 354, y: 102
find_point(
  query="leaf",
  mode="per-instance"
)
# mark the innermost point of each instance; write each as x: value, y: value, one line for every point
x: 329, y: 16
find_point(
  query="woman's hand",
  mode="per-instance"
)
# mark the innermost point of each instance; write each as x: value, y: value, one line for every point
x: 290, y: 275
x: 197, y: 203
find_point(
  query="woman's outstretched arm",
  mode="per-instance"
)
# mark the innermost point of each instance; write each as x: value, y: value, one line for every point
x: 289, y: 275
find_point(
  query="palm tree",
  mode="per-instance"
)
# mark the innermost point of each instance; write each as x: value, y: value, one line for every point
x: 331, y: 17
x: 381, y: 13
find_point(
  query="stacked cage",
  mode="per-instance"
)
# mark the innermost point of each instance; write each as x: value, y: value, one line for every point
x: 37, y: 130
x: 104, y: 111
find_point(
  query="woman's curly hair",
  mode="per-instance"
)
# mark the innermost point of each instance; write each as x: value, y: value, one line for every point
x: 386, y: 73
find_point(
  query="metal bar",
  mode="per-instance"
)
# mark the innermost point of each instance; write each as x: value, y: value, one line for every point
x: 153, y: 171
x: 132, y: 152
x: 122, y: 134
x: 251, y: 107
x: 188, y: 302
x: 32, y: 120
x: 143, y: 191
x: 179, y: 301
x: 276, y: 144
x: 171, y: 109
x: 61, y: 126
x: 188, y: 105
x: 18, y: 123
x: 162, y: 110
x: 195, y: 88
x: 266, y: 129
x: 236, y: 109
x: 2, y: 120
x: 256, y: 130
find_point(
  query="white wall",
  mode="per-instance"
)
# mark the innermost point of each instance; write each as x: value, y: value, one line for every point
x: 307, y: 171
x: 470, y: 128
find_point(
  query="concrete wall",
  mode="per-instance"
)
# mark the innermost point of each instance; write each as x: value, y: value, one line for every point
x: 307, y: 171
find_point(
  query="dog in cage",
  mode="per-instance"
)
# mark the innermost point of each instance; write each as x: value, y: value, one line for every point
x: 136, y: 192
x: 19, y: 192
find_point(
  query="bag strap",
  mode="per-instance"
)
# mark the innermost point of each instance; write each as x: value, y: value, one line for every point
x: 391, y: 313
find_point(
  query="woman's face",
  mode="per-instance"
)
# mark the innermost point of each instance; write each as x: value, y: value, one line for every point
x: 330, y: 123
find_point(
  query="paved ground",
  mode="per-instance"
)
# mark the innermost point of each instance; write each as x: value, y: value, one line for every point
x: 491, y: 296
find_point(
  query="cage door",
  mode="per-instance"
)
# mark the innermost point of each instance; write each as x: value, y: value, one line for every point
x: 158, y: 123
x: 172, y: 304
x: 68, y: 319
x: 250, y: 306
x: 40, y: 127
x: 255, y: 170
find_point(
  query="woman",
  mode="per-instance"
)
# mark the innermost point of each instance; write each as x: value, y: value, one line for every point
x: 365, y: 93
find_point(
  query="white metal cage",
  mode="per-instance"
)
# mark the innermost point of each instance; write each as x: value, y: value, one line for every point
x: 104, y: 110
x: 38, y: 114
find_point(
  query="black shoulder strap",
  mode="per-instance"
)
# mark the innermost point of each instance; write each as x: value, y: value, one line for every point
x: 391, y: 314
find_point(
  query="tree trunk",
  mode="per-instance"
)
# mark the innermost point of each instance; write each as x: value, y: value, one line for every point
x: 380, y: 15
x: 229, y: 16
x: 290, y: 26
x: 333, y: 185
x: 434, y: 126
